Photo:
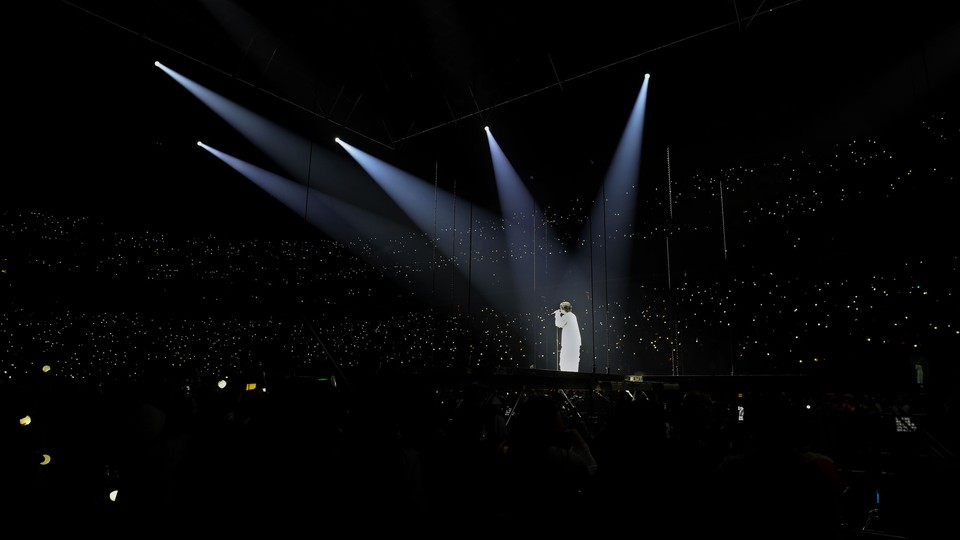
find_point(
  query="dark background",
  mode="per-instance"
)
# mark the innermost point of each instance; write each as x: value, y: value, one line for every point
x: 95, y: 128
x: 796, y: 106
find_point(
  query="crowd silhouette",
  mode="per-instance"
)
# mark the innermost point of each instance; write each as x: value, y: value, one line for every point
x: 439, y: 459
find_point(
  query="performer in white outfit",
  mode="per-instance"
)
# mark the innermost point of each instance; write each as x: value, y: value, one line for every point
x: 569, y: 337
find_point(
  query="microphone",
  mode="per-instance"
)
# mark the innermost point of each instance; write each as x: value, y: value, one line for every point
x: 555, y: 311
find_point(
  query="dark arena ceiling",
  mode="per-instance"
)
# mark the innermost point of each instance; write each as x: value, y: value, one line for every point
x: 415, y: 82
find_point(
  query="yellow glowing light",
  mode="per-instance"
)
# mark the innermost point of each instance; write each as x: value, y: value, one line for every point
x: 26, y: 420
x: 46, y: 459
x: 251, y: 386
x: 113, y: 495
x: 45, y: 368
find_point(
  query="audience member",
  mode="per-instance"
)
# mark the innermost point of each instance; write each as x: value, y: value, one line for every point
x: 547, y: 468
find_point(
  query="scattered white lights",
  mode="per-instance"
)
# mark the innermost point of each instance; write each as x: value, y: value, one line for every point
x: 844, y: 305
x: 905, y: 425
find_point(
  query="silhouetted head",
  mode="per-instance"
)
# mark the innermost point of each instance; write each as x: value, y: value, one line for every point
x: 537, y: 422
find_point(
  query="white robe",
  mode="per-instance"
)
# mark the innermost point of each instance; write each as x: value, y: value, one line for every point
x: 569, y: 341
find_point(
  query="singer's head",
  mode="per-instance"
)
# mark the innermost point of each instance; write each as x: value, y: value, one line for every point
x: 566, y: 307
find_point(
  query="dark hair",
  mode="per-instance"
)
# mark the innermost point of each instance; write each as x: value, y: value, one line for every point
x: 535, y: 423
